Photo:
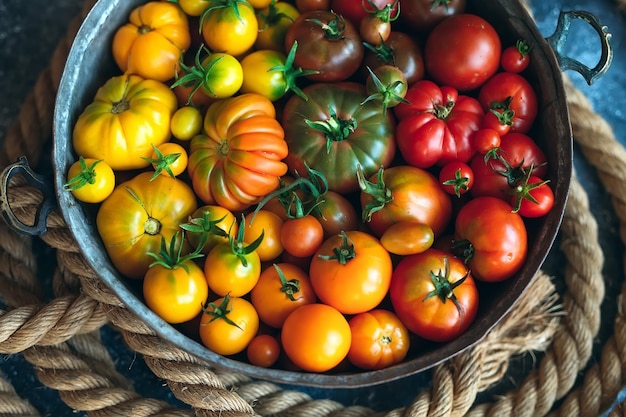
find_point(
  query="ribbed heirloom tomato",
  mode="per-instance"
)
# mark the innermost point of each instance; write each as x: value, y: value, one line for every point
x: 238, y: 158
x: 351, y: 272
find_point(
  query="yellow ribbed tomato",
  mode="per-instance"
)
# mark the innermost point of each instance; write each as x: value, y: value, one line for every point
x: 237, y: 160
x: 151, y: 42
x: 128, y: 115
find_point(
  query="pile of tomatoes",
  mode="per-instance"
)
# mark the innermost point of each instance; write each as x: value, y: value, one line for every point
x: 313, y: 183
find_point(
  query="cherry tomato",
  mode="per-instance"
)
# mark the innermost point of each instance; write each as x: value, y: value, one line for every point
x: 316, y: 337
x: 463, y: 51
x: 387, y: 85
x: 456, y: 177
x: 230, y: 27
x: 270, y: 224
x: 516, y: 58
x: 407, y: 238
x: 302, y: 236
x: 434, y: 295
x: 274, y: 21
x: 336, y: 213
x: 351, y: 272
x: 90, y: 180
x: 491, y: 238
x: 356, y: 10
x: 532, y: 197
x: 168, y: 158
x: 228, y: 325
x: 263, y: 350
x: 499, y: 120
x: 400, y: 50
x: 186, y: 122
x: 217, y: 75
x: 379, y: 339
x: 281, y: 289
x: 485, y: 140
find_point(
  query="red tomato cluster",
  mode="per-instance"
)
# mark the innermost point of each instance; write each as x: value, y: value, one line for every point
x: 316, y: 185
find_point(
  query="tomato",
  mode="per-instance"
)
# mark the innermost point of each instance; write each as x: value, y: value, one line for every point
x: 259, y: 4
x: 387, y: 85
x: 186, y: 96
x: 281, y: 289
x: 404, y: 193
x: 499, y: 120
x: 516, y: 58
x: 532, y: 197
x: 174, y: 286
x: 517, y: 154
x: 375, y: 29
x: 90, y: 180
x: 327, y: 43
x: 137, y: 215
x: 169, y: 158
x: 233, y: 267
x: 302, y: 236
x: 316, y: 337
x: 209, y: 225
x: 332, y: 132
x: 456, y: 177
x: 379, y: 340
x: 151, y: 42
x: 263, y: 350
x: 351, y: 272
x: 407, y: 238
x: 267, y: 72
x: 434, y: 295
x: 356, y: 10
x: 462, y: 51
x: 128, y: 115
x: 217, y: 75
x: 336, y: 213
x: 436, y: 125
x: 228, y: 325
x: 485, y: 141
x: 274, y: 21
x: 309, y: 5
x: 270, y: 224
x: 238, y: 158
x: 229, y: 26
x: 509, y: 91
x: 186, y: 122
x: 491, y: 238
x: 424, y: 15
x: 193, y: 7
x: 400, y: 50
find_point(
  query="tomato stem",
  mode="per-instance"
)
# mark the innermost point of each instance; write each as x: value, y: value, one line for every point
x: 172, y: 258
x: 291, y: 74
x: 220, y: 311
x: 334, y: 128
x: 87, y: 175
x: 333, y: 29
x: 288, y: 287
x: 162, y: 162
x: 444, y: 289
x: 343, y: 253
x: 386, y: 94
x: 381, y: 195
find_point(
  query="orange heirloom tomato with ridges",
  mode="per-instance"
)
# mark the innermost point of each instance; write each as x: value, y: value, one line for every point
x: 238, y: 158
x: 229, y: 26
x: 139, y: 213
x: 379, y: 340
x: 151, y: 42
x: 351, y: 272
x: 127, y: 116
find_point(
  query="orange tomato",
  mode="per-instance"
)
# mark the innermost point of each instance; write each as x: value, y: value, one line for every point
x: 151, y: 42
x: 407, y: 238
x: 351, y: 272
x: 379, y: 339
x: 229, y: 27
x: 316, y: 337
x: 228, y: 325
x: 270, y: 224
x: 302, y: 236
x: 168, y: 158
x: 280, y: 290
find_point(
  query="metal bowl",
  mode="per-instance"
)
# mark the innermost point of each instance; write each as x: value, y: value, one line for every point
x: 90, y: 64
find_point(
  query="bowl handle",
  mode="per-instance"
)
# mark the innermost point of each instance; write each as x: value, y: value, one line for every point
x: 558, y: 40
x: 39, y: 182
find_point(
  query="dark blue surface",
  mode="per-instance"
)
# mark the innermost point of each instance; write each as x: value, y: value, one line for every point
x: 29, y: 35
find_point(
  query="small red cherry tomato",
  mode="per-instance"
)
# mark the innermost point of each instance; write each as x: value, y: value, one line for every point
x: 485, y: 140
x: 532, y: 197
x: 456, y: 178
x: 515, y: 58
x: 263, y: 350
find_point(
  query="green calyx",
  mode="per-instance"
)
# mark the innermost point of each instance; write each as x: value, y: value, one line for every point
x: 195, y: 76
x: 333, y: 29
x: 87, y: 175
x: 378, y: 191
x: 343, y: 253
x: 290, y: 74
x: 239, y: 248
x: 458, y: 183
x: 223, y: 4
x: 523, y: 190
x: 389, y: 95
x: 162, y: 162
x: 334, y: 128
x: 385, y: 14
x: 170, y: 257
x: 289, y: 287
x: 205, y: 227
x: 220, y: 312
x: 444, y: 289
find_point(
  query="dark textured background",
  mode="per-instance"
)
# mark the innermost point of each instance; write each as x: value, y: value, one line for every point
x: 29, y: 32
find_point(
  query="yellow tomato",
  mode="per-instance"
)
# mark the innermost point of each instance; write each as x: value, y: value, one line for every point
x: 212, y: 224
x: 274, y: 20
x: 151, y: 42
x: 90, y: 180
x: 128, y: 115
x: 194, y: 7
x: 169, y: 158
x: 259, y: 4
x: 186, y: 123
x: 270, y: 224
x: 231, y: 28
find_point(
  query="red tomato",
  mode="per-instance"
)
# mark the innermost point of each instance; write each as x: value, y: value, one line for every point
x: 485, y: 140
x: 309, y: 5
x: 509, y: 91
x: 407, y: 238
x: 336, y: 213
x: 263, y: 350
x: 456, y: 177
x: 436, y: 124
x: 351, y: 272
x: 400, y: 50
x: 434, y: 295
x: 515, y: 58
x: 499, y: 120
x: 316, y: 337
x: 491, y: 238
x: 302, y: 236
x: 533, y: 197
x: 281, y: 289
x: 463, y: 51
x: 404, y: 193
x: 356, y: 10
x: 379, y: 339
x: 423, y: 15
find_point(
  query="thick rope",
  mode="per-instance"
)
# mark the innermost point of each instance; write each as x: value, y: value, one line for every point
x: 65, y: 367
